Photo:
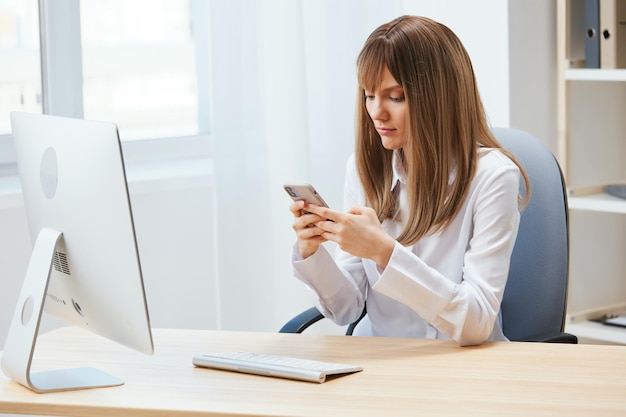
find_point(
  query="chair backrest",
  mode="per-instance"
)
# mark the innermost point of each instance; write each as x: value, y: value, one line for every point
x: 535, y: 296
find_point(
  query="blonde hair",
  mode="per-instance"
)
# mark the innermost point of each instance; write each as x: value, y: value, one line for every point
x: 446, y: 123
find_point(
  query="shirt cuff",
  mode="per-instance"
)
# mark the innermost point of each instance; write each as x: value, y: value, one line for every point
x: 318, y: 271
x: 408, y: 280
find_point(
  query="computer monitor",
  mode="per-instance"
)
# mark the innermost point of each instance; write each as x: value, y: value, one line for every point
x: 84, y: 267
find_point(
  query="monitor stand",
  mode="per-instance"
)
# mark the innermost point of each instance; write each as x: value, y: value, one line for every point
x: 20, y: 344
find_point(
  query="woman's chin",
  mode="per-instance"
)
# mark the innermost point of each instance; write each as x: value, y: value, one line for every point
x: 391, y: 144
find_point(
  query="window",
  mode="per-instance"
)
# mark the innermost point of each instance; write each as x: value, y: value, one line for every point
x: 139, y: 66
x: 142, y: 64
x: 20, y: 76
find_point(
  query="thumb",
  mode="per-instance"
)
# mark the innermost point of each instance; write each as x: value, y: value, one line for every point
x: 363, y: 211
x: 357, y: 210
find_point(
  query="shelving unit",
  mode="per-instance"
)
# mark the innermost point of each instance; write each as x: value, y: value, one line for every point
x: 600, y: 202
x: 582, y: 74
x: 592, y: 152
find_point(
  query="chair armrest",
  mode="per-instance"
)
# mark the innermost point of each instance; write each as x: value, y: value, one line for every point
x: 302, y: 321
x: 553, y: 338
x: 312, y: 315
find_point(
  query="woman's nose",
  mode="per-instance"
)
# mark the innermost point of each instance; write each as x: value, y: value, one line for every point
x: 377, y: 110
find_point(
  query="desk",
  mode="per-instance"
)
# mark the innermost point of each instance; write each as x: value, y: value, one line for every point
x: 401, y: 377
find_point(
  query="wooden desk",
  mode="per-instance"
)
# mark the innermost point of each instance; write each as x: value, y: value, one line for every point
x: 401, y: 377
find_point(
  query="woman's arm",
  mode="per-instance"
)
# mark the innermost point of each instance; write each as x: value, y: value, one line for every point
x: 465, y: 311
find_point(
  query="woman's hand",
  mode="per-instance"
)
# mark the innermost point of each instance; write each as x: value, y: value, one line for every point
x: 357, y: 232
x: 308, y: 234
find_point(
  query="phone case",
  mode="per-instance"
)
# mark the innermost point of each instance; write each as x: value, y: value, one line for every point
x: 304, y: 192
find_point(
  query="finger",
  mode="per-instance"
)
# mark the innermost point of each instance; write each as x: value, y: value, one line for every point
x: 328, y: 236
x: 301, y: 222
x: 296, y: 208
x: 328, y: 226
x: 324, y: 212
x: 358, y: 210
x: 305, y: 221
x: 310, y: 233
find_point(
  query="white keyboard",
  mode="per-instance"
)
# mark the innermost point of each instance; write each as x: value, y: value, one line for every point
x: 274, y: 365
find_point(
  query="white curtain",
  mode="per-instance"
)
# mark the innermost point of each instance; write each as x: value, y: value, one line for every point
x: 283, y: 87
x: 283, y: 95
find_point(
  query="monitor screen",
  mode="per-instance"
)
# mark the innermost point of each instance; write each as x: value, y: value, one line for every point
x: 84, y: 267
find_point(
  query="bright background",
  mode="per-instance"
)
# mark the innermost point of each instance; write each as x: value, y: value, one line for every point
x: 223, y: 102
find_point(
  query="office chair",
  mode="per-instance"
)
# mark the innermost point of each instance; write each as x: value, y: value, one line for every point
x: 535, y: 296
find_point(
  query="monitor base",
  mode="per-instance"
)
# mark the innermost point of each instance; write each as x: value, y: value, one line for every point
x: 71, y: 379
x: 18, y: 352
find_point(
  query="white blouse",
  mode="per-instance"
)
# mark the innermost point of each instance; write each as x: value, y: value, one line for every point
x: 447, y: 285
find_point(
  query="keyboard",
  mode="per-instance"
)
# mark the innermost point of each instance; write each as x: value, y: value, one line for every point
x: 274, y: 365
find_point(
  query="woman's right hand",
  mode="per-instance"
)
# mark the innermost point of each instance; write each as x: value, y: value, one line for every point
x: 309, y: 235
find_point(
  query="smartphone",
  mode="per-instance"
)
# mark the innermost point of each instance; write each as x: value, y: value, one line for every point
x: 304, y: 192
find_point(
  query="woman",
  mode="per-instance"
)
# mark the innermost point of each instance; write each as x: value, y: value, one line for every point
x: 431, y: 197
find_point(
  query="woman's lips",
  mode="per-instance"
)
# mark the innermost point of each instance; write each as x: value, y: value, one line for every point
x: 385, y: 131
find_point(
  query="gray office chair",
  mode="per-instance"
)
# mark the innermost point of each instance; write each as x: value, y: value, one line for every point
x: 535, y: 297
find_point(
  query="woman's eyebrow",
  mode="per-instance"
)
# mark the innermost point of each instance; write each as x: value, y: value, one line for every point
x: 389, y: 88
x: 393, y: 87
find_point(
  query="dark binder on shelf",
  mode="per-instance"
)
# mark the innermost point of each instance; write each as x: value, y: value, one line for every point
x: 612, y: 34
x: 616, y: 190
x: 592, y: 33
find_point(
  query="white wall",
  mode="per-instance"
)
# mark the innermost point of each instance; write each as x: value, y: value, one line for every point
x: 196, y: 277
x: 532, y: 68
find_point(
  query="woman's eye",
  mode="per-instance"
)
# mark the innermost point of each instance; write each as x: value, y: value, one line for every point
x: 369, y: 97
x: 397, y: 99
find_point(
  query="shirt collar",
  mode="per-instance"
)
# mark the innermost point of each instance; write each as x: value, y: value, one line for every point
x: 399, y: 173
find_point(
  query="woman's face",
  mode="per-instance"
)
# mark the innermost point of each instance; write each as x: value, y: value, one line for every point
x: 387, y: 108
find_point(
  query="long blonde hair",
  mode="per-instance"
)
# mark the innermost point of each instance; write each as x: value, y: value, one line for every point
x: 446, y: 123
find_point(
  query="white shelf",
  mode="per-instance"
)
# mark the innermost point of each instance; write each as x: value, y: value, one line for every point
x: 597, y: 331
x: 585, y: 74
x: 603, y: 86
x: 598, y: 202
